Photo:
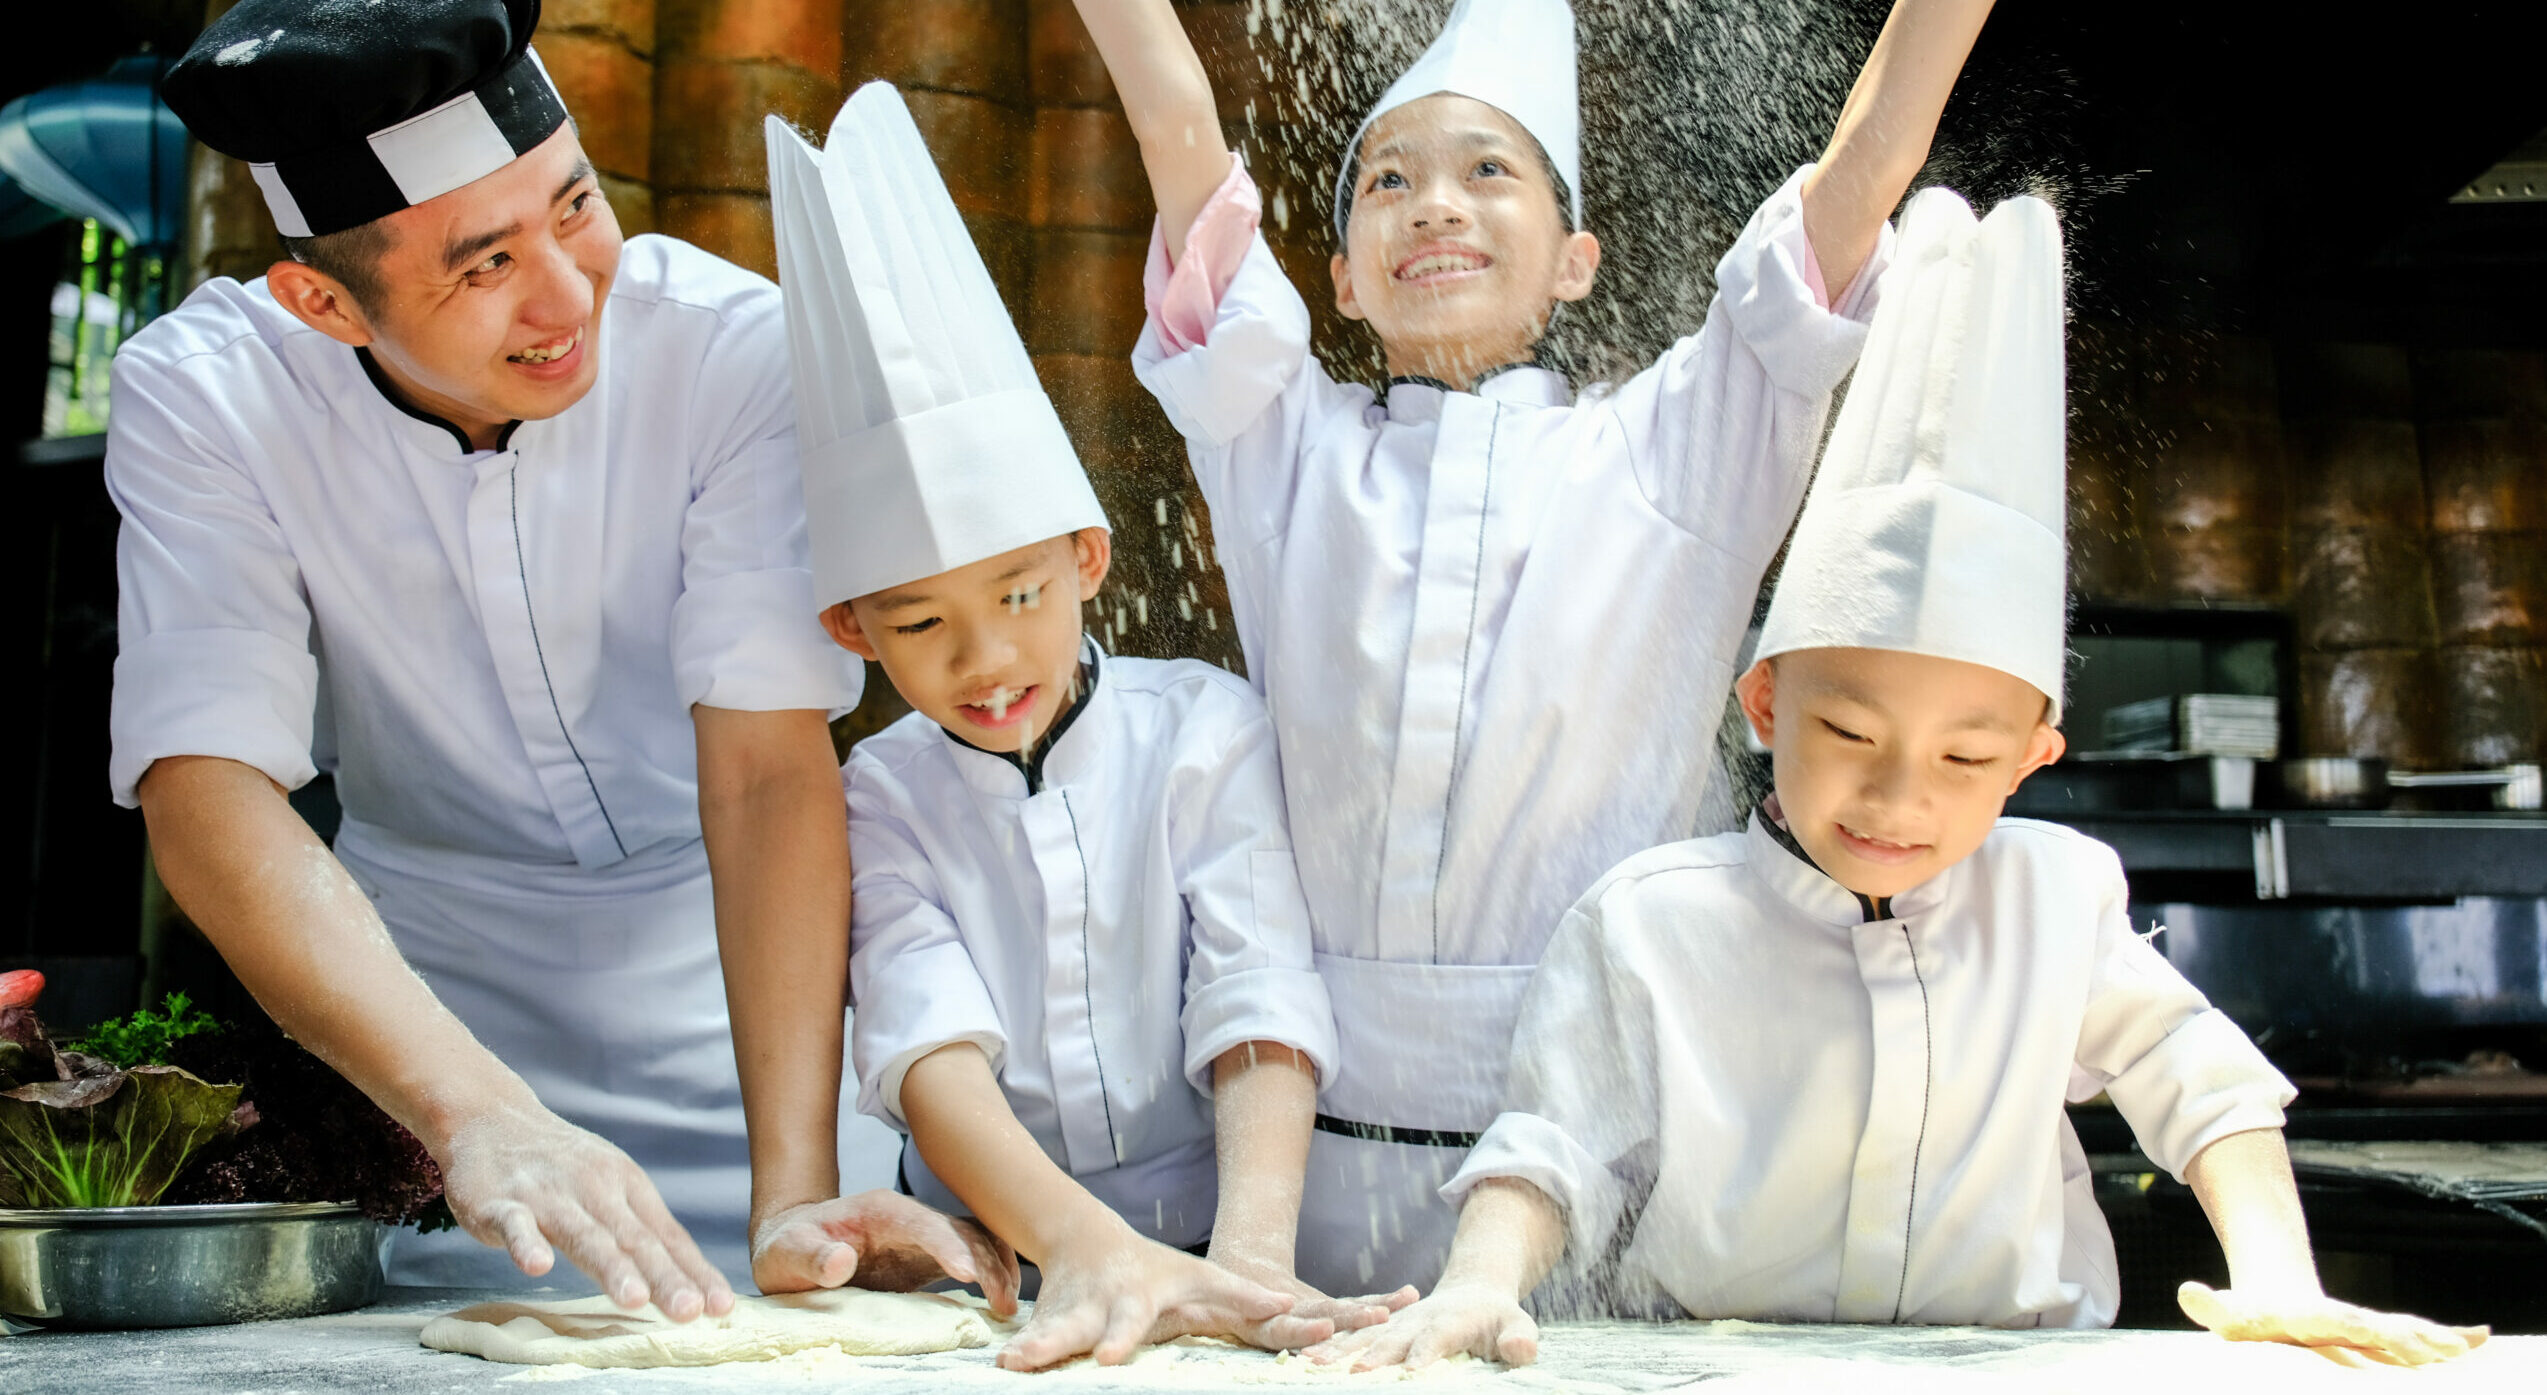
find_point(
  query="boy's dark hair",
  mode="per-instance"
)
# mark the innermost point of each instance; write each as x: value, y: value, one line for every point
x: 351, y: 258
x: 1556, y: 182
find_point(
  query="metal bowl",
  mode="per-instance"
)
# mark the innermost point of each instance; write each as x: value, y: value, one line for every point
x: 186, y: 1266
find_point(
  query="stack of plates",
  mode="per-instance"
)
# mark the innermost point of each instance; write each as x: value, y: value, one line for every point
x: 2198, y: 724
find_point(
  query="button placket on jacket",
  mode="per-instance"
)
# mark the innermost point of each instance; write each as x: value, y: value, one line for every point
x: 501, y: 530
x: 1459, y: 493
x: 1070, y: 1026
x: 1884, y: 1184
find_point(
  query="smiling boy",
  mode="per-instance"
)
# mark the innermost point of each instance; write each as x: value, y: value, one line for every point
x: 1080, y: 956
x: 1814, y: 1071
x: 1485, y: 609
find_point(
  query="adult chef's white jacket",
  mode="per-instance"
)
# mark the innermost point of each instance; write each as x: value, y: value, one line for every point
x: 496, y: 653
x: 1102, y: 926
x: 1494, y: 629
x: 1811, y: 1115
x: 502, y: 647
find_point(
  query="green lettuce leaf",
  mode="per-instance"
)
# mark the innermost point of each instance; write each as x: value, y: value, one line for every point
x: 107, y: 1137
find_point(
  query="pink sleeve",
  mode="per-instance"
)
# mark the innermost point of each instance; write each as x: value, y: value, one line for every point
x: 1183, y: 296
x: 1812, y: 269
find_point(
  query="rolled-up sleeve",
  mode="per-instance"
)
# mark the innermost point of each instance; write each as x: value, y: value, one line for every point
x: 2183, y: 1075
x: 1723, y: 429
x: 1581, y: 1107
x: 913, y: 986
x: 745, y: 632
x: 212, y: 620
x: 1249, y: 975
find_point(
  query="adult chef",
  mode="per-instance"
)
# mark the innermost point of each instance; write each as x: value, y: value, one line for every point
x: 497, y: 519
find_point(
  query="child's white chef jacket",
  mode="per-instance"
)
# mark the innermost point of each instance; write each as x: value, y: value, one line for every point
x: 1495, y: 630
x: 1804, y: 1113
x: 496, y: 653
x: 1102, y: 925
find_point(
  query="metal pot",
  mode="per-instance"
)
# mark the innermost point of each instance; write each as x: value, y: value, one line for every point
x: 186, y: 1266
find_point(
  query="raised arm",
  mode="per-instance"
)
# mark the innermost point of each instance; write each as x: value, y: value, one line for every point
x: 1884, y: 130
x: 1168, y: 100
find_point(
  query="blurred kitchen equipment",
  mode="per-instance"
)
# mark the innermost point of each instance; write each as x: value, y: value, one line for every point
x: 2198, y: 724
x: 2092, y: 782
x: 186, y: 1266
x: 2327, y: 782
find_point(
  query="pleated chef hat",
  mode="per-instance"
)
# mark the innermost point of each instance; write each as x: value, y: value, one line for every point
x: 927, y: 442
x: 1516, y: 56
x: 1935, y: 525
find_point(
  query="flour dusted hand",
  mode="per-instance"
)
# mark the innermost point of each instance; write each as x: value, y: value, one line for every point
x: 1114, y: 1292
x: 1455, y: 1319
x: 885, y: 1241
x: 2333, y: 1328
x: 533, y: 1185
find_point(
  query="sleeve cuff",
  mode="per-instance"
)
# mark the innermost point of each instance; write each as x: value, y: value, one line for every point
x: 1258, y: 342
x: 2204, y: 1081
x: 1532, y: 1149
x: 924, y: 999
x: 750, y: 641
x: 1772, y: 288
x: 1287, y: 1006
x: 1183, y: 297
x: 242, y: 695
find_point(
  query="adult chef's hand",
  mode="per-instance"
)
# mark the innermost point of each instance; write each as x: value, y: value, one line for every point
x: 885, y: 1241
x: 532, y: 1184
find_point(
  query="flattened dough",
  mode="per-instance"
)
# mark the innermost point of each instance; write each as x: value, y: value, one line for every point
x: 596, y: 1332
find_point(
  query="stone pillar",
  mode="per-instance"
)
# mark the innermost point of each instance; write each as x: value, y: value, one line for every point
x: 600, y: 53
x: 228, y: 232
x: 720, y: 66
x: 2212, y: 514
x: 2361, y: 602
x: 2485, y: 473
x: 1089, y: 213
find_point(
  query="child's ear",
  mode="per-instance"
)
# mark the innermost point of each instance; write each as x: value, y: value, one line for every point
x: 1342, y: 271
x: 2041, y: 749
x: 841, y: 623
x: 1577, y: 268
x: 1095, y: 548
x: 1757, y: 691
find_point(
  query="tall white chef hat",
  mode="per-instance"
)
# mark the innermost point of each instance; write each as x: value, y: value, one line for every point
x: 1935, y: 526
x: 927, y: 442
x: 1516, y: 56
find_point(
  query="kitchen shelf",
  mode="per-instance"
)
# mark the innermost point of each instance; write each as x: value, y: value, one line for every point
x: 2327, y: 855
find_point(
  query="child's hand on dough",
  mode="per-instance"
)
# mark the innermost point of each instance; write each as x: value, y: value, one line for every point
x: 1348, y: 1314
x: 1477, y: 1319
x: 1112, y: 1291
x: 2336, y: 1330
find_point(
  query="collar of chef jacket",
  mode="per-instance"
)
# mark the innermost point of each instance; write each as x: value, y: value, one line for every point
x: 1412, y: 398
x: 1066, y: 754
x: 428, y: 426
x: 1810, y: 890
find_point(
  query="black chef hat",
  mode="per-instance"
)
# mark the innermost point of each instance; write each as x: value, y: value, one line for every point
x: 349, y: 110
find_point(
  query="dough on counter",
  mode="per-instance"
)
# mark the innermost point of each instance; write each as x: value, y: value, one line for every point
x: 597, y: 1332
